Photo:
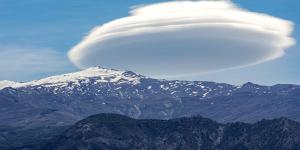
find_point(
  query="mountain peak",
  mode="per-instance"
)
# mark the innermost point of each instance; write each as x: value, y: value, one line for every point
x: 251, y: 85
x: 104, y: 71
x: 97, y: 74
x: 97, y: 71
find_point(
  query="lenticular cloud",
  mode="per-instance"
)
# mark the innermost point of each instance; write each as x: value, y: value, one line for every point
x: 183, y: 38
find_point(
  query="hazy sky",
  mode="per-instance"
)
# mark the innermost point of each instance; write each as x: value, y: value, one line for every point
x: 35, y: 36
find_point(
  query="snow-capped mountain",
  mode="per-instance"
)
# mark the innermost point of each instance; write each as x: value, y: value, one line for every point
x: 97, y: 74
x: 64, y: 99
x: 97, y: 81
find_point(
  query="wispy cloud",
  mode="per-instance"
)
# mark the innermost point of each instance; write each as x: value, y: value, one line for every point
x: 20, y: 63
x: 184, y: 38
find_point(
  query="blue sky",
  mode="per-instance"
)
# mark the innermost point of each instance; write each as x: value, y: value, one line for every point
x: 55, y: 26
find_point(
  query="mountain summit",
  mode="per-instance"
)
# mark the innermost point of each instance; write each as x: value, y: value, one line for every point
x: 98, y: 74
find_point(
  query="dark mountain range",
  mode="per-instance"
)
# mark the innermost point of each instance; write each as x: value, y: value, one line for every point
x: 116, y: 132
x: 52, y: 103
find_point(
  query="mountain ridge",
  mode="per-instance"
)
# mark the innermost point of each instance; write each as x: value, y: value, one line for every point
x: 113, y: 131
x: 105, y: 72
x: 98, y: 90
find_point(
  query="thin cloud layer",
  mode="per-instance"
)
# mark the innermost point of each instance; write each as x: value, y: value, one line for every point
x: 184, y: 38
x: 25, y: 63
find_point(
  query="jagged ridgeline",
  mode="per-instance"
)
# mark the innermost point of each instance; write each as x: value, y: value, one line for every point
x: 116, y: 132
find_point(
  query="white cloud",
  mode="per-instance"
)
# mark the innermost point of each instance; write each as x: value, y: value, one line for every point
x: 21, y: 63
x: 183, y: 38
